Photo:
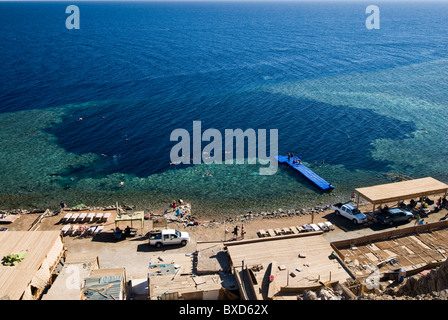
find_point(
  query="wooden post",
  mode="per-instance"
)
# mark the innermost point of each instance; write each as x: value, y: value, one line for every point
x: 357, y: 200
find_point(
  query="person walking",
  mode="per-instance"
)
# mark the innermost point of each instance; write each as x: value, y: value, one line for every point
x: 235, y: 232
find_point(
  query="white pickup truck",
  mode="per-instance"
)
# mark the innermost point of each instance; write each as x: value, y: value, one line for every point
x: 165, y: 237
x: 349, y: 211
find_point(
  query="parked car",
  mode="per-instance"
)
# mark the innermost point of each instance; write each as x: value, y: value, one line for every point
x: 168, y: 236
x: 392, y: 216
x: 350, y: 212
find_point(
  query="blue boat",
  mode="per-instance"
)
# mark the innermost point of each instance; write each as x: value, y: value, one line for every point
x: 306, y: 172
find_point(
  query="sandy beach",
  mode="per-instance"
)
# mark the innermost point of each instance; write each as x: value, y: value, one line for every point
x: 135, y: 254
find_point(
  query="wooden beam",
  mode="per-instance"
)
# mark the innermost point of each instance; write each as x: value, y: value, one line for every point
x: 303, y: 234
x: 272, y: 279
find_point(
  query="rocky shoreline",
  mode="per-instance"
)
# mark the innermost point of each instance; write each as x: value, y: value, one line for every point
x: 248, y: 216
x: 188, y: 217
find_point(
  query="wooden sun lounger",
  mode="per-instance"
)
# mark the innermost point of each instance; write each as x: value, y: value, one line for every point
x: 82, y: 230
x: 75, y: 230
x: 329, y: 225
x: 286, y: 231
x: 278, y: 232
x: 301, y: 229
x: 322, y: 226
x: 91, y: 230
x: 81, y: 217
x: 106, y: 216
x: 98, y: 230
x: 294, y: 230
x: 262, y: 233
x: 67, y: 217
x: 66, y: 229
x: 99, y: 216
x: 271, y: 232
x: 91, y: 216
x: 74, y: 217
x: 307, y: 227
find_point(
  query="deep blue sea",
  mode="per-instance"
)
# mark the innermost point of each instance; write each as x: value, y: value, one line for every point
x: 87, y: 114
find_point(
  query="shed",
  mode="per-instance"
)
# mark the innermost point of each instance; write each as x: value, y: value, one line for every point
x: 105, y: 284
x: 403, y: 190
x: 135, y: 216
x: 69, y: 282
x: 27, y: 279
x: 185, y: 287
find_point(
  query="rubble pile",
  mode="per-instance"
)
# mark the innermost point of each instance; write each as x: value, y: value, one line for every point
x: 430, y: 285
x: 322, y: 294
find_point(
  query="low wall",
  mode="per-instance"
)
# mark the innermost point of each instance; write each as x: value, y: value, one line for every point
x: 303, y: 234
x: 388, y: 234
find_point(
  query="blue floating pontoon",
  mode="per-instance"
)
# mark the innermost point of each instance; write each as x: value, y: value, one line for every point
x: 307, y: 173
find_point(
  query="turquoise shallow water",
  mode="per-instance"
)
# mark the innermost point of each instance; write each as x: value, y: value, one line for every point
x: 366, y: 103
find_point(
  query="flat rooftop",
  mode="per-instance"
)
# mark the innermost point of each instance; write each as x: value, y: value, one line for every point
x: 403, y: 190
x: 297, y: 262
x: 41, y: 247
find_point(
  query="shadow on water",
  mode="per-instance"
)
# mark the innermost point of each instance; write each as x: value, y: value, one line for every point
x: 306, y: 128
x: 314, y: 130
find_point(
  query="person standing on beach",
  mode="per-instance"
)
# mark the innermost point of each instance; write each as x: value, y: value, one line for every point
x: 312, y: 217
x: 417, y: 220
x: 243, y: 232
x: 235, y: 232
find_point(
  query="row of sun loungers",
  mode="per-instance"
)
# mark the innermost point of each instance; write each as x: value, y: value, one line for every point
x: 77, y: 230
x: 321, y: 226
x: 85, y: 217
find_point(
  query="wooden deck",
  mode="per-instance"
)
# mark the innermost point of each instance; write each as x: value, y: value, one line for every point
x: 258, y: 259
x: 413, y: 249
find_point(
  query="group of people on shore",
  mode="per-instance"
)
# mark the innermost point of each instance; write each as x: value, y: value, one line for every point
x: 294, y: 159
x: 235, y: 232
x: 175, y: 205
x: 299, y: 159
x: 441, y: 203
